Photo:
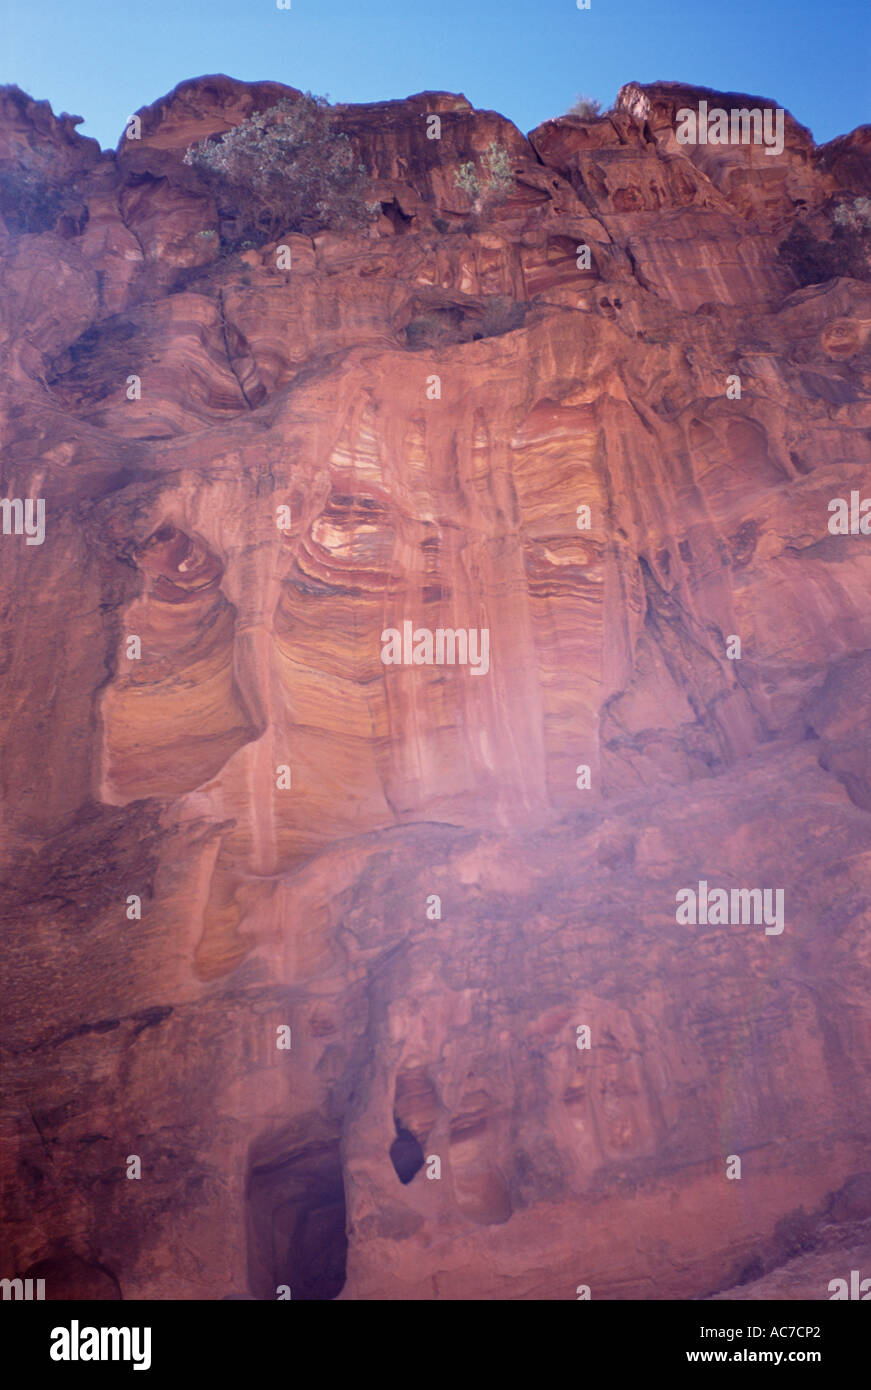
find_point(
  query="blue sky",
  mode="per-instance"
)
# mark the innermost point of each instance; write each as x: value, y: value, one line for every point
x: 528, y: 59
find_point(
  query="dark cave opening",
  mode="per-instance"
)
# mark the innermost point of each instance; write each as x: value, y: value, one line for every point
x: 296, y: 1223
x: 406, y: 1155
x: 393, y: 212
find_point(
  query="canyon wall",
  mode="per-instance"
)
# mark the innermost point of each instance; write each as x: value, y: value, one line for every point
x: 404, y: 865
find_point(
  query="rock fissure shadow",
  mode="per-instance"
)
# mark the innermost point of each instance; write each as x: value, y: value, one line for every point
x: 296, y: 1219
x: 406, y: 1155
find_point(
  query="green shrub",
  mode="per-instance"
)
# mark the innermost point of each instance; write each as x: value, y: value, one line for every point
x: 855, y: 217
x: 500, y: 316
x: 490, y: 185
x: 434, y: 329
x: 284, y: 170
x: 464, y: 323
x: 846, y: 251
x: 29, y: 202
x: 588, y: 108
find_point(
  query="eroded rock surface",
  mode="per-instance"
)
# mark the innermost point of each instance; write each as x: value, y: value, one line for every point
x: 303, y: 898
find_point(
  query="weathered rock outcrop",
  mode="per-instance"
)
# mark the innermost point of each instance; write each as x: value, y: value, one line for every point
x: 406, y: 426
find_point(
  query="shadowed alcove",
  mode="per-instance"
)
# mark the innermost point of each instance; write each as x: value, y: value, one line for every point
x: 296, y: 1215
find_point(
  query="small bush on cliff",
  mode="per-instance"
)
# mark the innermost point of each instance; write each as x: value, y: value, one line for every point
x: 855, y: 216
x: 501, y: 315
x: 489, y: 184
x: 287, y: 169
x: 588, y: 108
x: 29, y: 202
x: 434, y: 330
x: 490, y: 317
x: 846, y: 251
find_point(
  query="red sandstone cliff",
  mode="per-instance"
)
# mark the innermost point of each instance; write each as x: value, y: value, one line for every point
x: 261, y: 648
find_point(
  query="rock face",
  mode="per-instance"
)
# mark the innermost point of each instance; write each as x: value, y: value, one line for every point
x: 404, y: 865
